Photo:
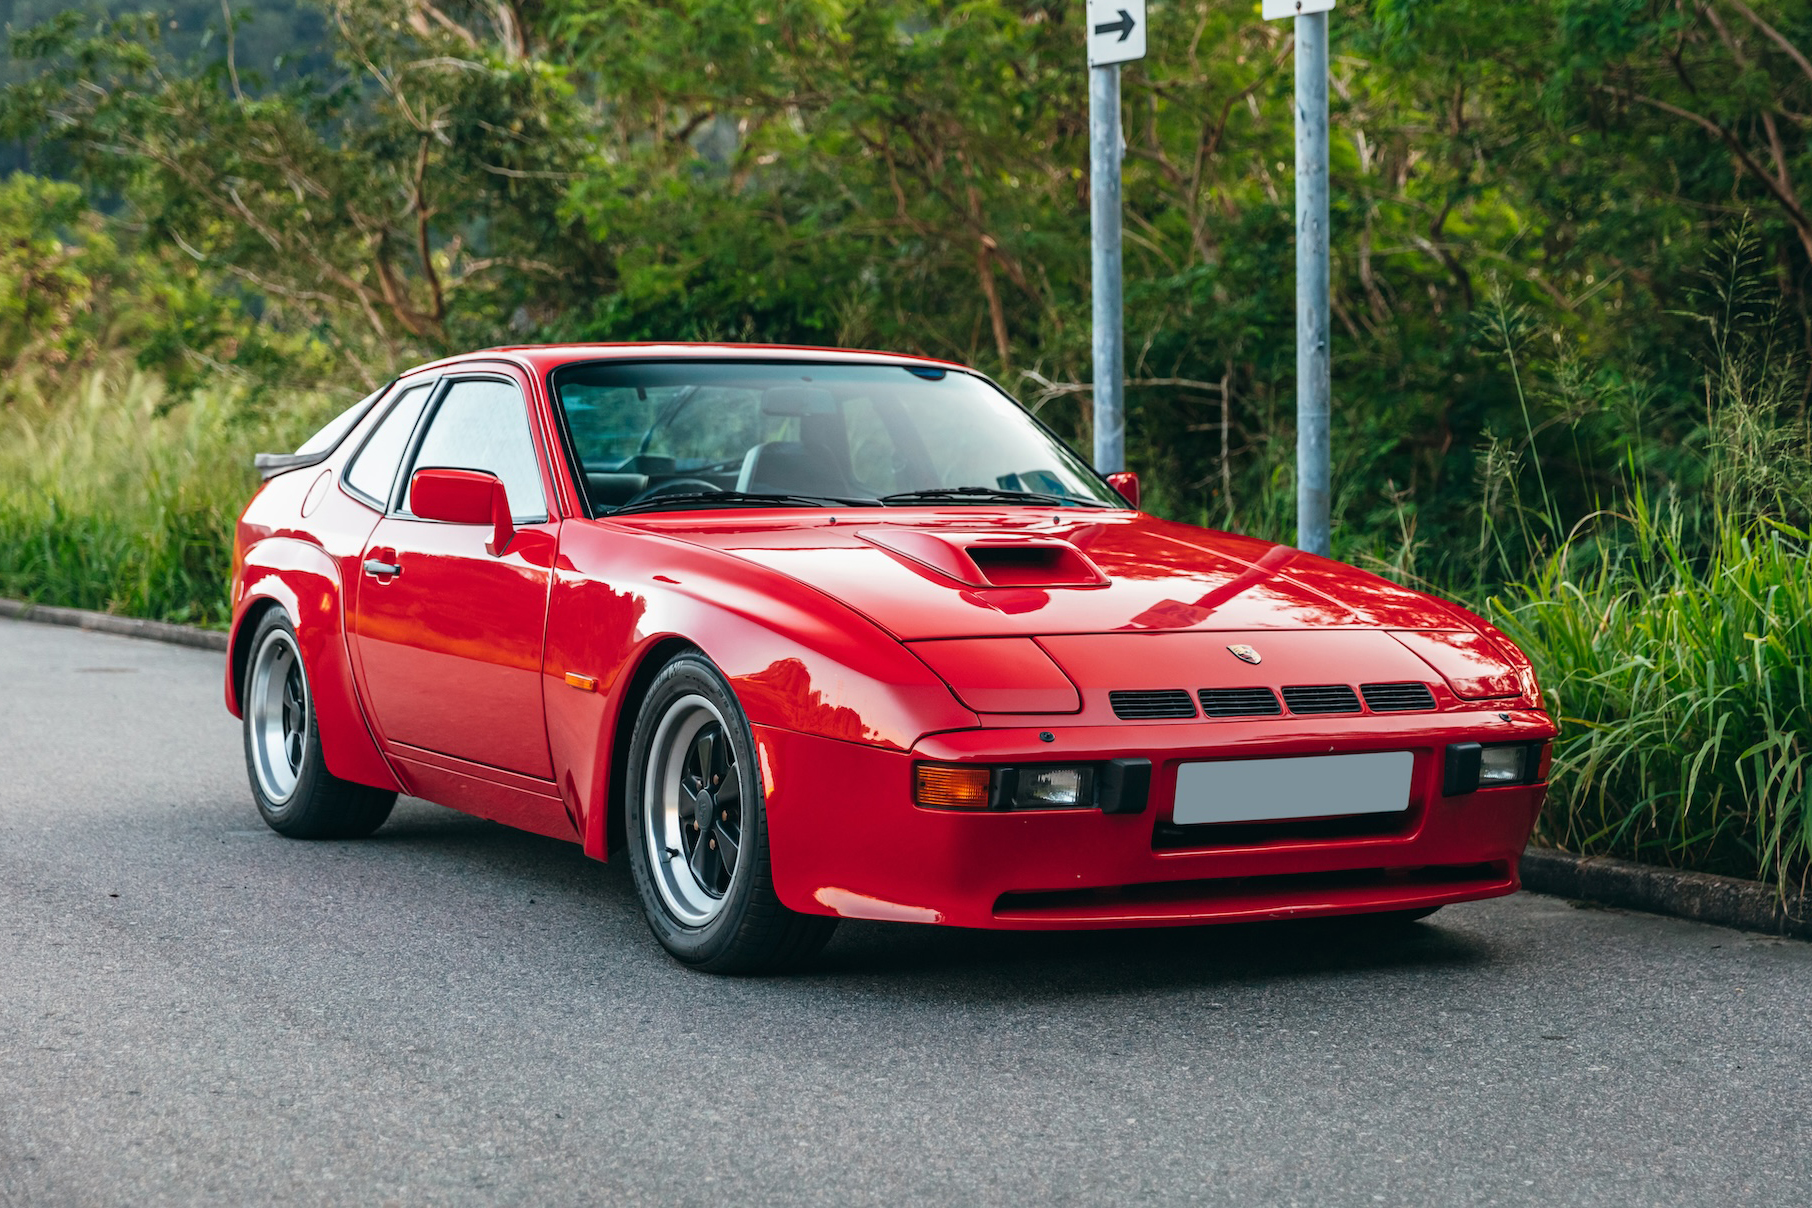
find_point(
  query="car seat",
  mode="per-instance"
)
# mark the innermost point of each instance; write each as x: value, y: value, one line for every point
x: 792, y: 467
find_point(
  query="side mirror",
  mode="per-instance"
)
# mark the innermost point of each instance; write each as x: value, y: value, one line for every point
x: 1127, y: 483
x: 464, y: 497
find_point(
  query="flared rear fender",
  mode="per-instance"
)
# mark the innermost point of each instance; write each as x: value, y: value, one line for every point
x: 303, y: 581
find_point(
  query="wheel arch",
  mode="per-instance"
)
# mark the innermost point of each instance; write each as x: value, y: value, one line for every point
x: 239, y: 650
x: 795, y: 658
x: 610, y: 827
x: 303, y: 582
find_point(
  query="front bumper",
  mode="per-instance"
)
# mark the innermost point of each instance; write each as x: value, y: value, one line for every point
x: 846, y: 839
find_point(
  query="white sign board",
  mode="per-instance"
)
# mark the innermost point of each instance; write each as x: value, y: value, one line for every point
x: 1116, y: 31
x: 1277, y: 10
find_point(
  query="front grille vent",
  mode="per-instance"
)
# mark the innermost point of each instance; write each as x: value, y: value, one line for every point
x: 1397, y: 698
x: 1174, y: 703
x: 1321, y: 698
x: 1239, y: 702
x: 1151, y: 705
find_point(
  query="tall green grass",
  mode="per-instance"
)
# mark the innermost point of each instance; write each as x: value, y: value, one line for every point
x: 1674, y: 638
x: 113, y: 499
x: 1682, y: 682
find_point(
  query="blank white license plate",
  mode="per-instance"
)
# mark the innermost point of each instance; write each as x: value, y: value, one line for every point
x: 1313, y: 786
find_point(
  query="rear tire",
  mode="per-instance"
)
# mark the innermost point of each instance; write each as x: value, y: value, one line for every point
x: 697, y: 830
x: 295, y: 793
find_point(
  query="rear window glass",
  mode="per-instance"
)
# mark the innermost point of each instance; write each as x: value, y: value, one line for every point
x: 373, y: 471
x: 330, y: 436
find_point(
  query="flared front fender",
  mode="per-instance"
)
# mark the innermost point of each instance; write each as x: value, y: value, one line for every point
x: 622, y: 603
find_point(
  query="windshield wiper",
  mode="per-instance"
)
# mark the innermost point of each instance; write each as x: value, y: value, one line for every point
x: 733, y: 499
x: 987, y: 495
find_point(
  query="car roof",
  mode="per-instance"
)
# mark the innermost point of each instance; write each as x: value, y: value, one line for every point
x: 541, y: 358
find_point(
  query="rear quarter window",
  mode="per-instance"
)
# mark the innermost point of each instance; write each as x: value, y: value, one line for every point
x: 373, y: 469
x: 329, y: 437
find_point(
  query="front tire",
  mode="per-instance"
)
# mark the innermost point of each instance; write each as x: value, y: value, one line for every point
x: 295, y: 793
x: 697, y: 828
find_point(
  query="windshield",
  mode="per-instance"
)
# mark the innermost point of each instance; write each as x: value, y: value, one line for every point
x: 804, y: 435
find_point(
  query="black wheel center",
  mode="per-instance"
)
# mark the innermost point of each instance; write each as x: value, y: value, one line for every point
x: 712, y: 789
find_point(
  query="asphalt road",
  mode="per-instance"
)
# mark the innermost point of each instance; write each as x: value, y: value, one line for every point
x: 193, y: 1010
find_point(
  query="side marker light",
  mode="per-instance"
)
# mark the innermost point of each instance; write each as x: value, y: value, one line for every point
x: 951, y: 786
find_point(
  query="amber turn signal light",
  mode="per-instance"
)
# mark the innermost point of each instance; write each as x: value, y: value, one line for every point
x: 951, y: 786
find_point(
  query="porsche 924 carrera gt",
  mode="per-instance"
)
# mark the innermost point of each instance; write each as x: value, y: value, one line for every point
x: 811, y: 634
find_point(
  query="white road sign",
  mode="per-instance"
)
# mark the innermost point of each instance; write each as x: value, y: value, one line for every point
x: 1277, y: 10
x: 1116, y: 31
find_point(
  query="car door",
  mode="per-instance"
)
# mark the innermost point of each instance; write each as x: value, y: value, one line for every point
x: 448, y: 636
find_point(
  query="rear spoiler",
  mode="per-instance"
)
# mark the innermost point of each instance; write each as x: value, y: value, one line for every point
x: 269, y: 465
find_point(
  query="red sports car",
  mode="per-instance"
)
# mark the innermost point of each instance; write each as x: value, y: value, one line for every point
x: 816, y: 634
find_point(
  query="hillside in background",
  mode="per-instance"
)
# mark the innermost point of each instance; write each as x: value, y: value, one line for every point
x: 287, y: 38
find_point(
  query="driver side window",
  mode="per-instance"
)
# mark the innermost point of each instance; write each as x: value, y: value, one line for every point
x: 482, y: 424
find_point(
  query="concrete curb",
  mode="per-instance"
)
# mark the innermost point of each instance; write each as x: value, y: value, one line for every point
x: 102, y: 622
x: 1725, y: 901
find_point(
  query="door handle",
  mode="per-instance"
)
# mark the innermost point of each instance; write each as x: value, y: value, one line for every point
x: 380, y: 570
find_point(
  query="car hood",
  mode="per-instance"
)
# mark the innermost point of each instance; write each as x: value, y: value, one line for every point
x: 984, y: 572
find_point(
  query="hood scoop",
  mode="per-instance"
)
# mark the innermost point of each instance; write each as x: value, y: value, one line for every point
x: 991, y: 559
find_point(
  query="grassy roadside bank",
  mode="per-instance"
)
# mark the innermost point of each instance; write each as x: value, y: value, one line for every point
x: 1684, y: 691
x: 115, y: 500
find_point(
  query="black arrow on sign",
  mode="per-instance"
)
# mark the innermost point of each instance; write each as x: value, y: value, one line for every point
x: 1124, y: 25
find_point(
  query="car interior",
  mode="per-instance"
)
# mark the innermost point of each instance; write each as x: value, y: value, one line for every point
x: 779, y: 440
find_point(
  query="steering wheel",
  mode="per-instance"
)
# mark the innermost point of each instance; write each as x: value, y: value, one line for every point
x: 676, y: 486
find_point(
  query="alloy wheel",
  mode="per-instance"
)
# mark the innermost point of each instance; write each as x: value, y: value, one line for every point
x: 692, y: 810
x: 278, y: 713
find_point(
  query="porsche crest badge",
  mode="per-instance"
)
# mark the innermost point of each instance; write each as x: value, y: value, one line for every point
x: 1245, y: 654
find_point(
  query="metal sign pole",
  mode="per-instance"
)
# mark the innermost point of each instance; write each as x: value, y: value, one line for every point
x: 1104, y: 216
x: 1116, y: 34
x: 1314, y: 354
x: 1314, y: 362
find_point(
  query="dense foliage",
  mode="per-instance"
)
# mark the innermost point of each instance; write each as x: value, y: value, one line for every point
x: 1571, y: 265
x: 1686, y: 687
